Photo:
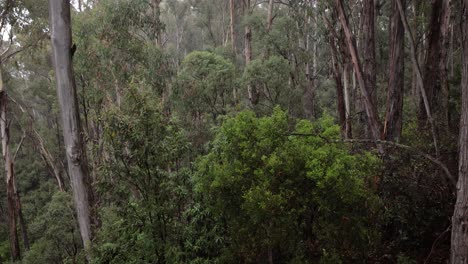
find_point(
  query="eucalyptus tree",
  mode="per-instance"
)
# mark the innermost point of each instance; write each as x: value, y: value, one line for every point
x: 61, y: 36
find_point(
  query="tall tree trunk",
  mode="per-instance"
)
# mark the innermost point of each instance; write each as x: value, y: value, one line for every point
x: 9, y: 175
x: 309, y: 95
x: 373, y: 118
x: 157, y: 24
x: 22, y: 222
x: 253, y: 93
x: 394, y: 111
x: 420, y: 82
x: 60, y: 24
x: 368, y: 55
x: 435, y: 70
x: 341, y: 79
x: 232, y: 11
x: 459, y: 240
x: 339, y: 89
x: 270, y: 15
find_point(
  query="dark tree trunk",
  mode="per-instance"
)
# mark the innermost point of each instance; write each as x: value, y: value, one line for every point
x: 435, y: 67
x: 394, y: 110
x: 368, y: 48
x: 60, y: 23
x: 22, y: 222
x: 9, y: 175
x: 253, y: 93
x: 459, y: 240
x: 373, y: 118
x: 419, y: 79
x: 232, y: 12
x: 339, y: 92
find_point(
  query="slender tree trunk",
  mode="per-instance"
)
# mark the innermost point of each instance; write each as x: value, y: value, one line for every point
x: 339, y: 89
x: 22, y: 223
x: 459, y: 240
x: 155, y: 6
x: 309, y: 95
x: 232, y: 11
x: 459, y: 247
x: 9, y: 175
x: 49, y: 159
x: 394, y: 111
x: 371, y: 111
x: 253, y: 93
x: 270, y: 15
x: 60, y: 24
x: 419, y: 78
x: 349, y: 130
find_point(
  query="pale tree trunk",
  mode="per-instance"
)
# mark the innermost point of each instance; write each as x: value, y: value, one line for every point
x: 309, y: 95
x: 459, y: 240
x: 394, y: 110
x: 253, y: 93
x: 349, y: 130
x: 371, y: 111
x: 157, y: 24
x: 347, y: 72
x: 341, y: 80
x: 232, y: 12
x: 420, y: 82
x: 60, y: 24
x: 19, y: 209
x: 9, y: 175
x: 270, y: 15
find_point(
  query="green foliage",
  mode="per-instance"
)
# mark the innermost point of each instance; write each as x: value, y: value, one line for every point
x: 291, y: 194
x: 57, y: 233
x: 205, y: 84
x: 143, y: 186
x: 271, y: 77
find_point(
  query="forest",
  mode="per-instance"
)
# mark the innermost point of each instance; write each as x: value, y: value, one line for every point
x: 234, y: 131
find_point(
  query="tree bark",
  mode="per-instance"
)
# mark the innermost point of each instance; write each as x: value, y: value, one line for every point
x: 435, y: 70
x: 341, y: 80
x: 310, y: 70
x: 459, y: 240
x: 368, y: 48
x: 60, y: 23
x: 270, y: 15
x: 157, y: 24
x: 9, y: 175
x: 253, y: 93
x: 394, y: 110
x: 339, y: 90
x: 419, y: 78
x: 22, y: 223
x: 371, y: 111
x: 232, y: 11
